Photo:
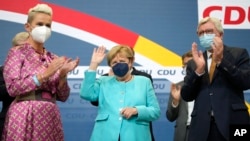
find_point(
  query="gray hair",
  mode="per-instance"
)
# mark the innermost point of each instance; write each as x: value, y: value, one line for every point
x: 215, y: 21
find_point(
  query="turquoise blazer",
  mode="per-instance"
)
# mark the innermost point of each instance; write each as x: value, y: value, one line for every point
x: 114, y: 95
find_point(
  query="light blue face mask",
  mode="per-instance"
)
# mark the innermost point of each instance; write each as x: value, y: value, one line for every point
x: 206, y: 41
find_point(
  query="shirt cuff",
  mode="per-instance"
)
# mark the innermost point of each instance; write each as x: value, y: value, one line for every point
x: 175, y: 105
x: 36, y: 80
x: 200, y: 74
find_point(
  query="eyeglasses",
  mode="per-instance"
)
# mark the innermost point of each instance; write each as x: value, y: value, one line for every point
x: 207, y: 31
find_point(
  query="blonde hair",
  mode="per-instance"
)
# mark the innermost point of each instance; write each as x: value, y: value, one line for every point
x: 124, y: 50
x: 39, y: 8
x: 215, y: 21
x: 20, y: 38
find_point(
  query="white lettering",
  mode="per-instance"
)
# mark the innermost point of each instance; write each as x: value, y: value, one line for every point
x: 240, y: 132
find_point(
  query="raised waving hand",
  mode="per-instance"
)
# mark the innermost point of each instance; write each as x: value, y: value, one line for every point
x: 97, y: 57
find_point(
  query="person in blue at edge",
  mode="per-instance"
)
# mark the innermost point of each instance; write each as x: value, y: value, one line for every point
x: 127, y: 103
x: 219, y: 102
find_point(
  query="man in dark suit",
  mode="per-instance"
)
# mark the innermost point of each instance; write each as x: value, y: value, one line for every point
x: 134, y: 72
x: 179, y: 110
x: 219, y: 100
x: 6, y: 100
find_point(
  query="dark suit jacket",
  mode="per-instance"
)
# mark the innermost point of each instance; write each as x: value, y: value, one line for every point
x: 5, y: 98
x: 135, y: 72
x: 224, y: 95
x: 180, y: 115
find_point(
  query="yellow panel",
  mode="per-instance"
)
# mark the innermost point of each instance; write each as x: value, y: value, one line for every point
x: 248, y: 106
x: 156, y: 52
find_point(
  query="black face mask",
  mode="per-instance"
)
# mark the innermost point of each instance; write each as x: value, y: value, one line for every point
x: 120, y: 69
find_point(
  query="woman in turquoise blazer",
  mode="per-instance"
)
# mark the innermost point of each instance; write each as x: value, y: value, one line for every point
x: 127, y: 103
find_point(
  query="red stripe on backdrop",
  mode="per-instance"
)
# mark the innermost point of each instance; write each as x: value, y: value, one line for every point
x: 19, y: 6
x: 76, y: 19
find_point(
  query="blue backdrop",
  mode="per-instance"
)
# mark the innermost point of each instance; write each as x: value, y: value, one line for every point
x: 172, y: 24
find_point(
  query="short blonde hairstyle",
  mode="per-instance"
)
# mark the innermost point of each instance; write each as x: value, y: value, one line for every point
x: 19, y: 38
x: 215, y: 21
x: 39, y: 8
x: 125, y: 50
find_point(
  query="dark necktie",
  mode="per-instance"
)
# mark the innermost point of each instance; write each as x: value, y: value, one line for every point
x: 212, y: 68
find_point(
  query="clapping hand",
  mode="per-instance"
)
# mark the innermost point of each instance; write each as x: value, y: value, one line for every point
x: 68, y: 66
x: 218, y: 48
x: 175, y: 93
x: 198, y: 59
x: 55, y: 65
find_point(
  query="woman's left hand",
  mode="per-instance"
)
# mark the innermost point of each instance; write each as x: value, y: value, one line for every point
x: 128, y: 112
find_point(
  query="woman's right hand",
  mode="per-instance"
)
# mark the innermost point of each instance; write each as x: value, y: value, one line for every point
x: 97, y: 57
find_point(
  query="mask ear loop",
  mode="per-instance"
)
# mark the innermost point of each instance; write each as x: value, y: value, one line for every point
x: 131, y: 69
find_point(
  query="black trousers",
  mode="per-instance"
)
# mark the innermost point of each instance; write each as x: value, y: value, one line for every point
x: 214, y: 133
x: 151, y: 132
